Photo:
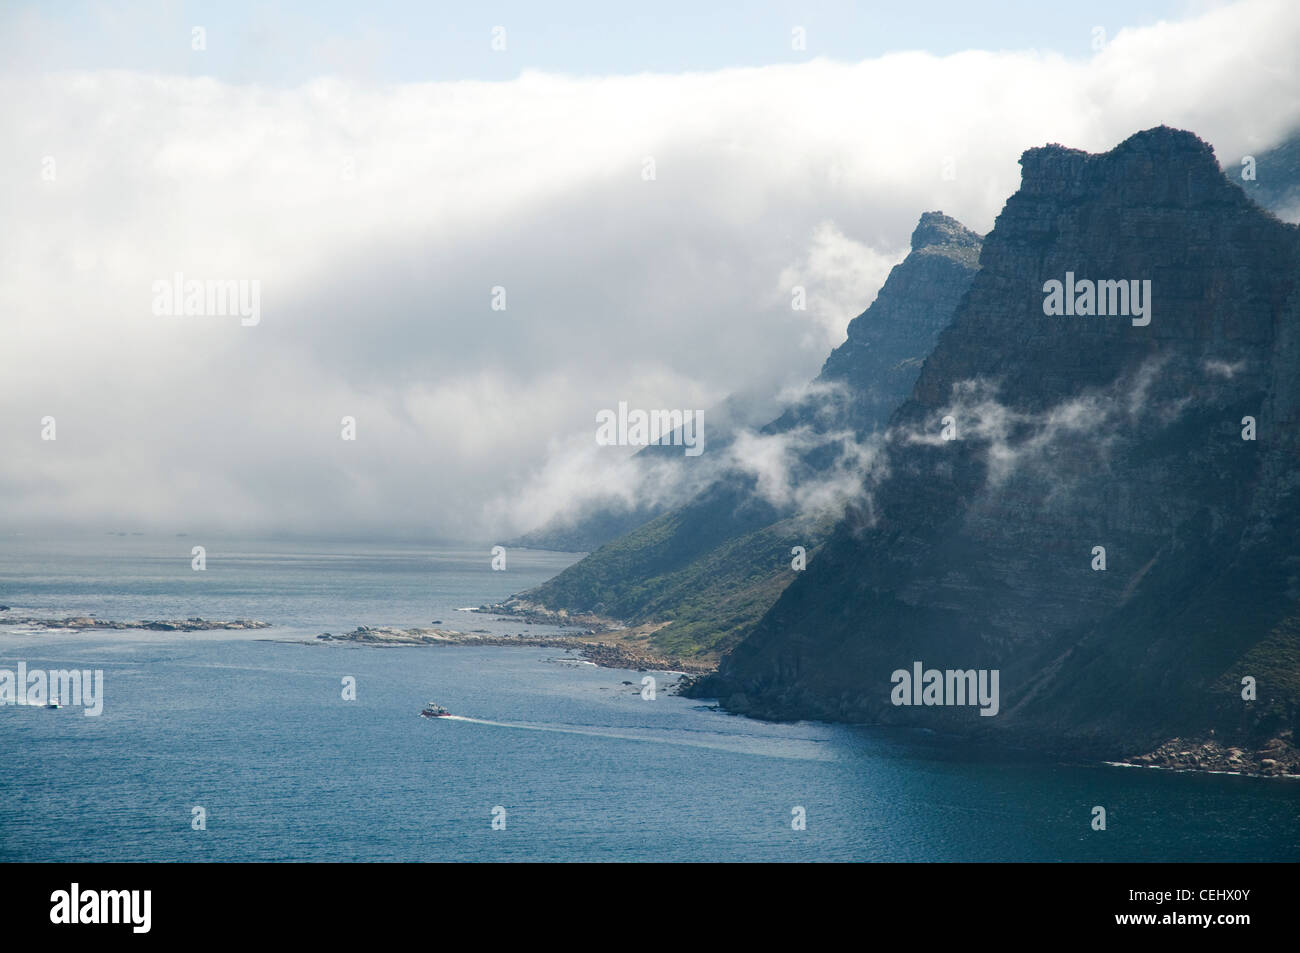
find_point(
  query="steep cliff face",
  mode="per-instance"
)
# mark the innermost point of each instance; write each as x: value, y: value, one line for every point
x: 867, y: 377
x: 712, y: 566
x: 1071, y: 432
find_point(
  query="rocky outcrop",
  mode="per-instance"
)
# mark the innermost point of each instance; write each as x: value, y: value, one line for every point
x: 1277, y: 757
x: 865, y: 379
x: 1073, y: 432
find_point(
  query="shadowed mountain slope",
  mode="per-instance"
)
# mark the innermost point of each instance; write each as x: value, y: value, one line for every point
x: 1074, y: 432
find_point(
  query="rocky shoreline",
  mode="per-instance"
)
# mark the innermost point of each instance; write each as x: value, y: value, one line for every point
x: 532, y: 613
x: 84, y: 623
x: 604, y: 653
x: 1278, y: 758
x: 1275, y: 757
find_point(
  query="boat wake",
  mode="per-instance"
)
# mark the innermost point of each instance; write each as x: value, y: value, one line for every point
x: 795, y: 748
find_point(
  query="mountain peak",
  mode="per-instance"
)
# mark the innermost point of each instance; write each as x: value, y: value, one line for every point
x: 935, y: 228
x: 1162, y: 164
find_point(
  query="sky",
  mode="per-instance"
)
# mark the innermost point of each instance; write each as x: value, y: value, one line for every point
x: 646, y: 190
x: 405, y: 42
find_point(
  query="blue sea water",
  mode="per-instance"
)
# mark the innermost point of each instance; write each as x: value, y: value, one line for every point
x: 258, y: 734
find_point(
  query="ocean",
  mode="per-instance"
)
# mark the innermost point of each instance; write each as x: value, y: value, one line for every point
x: 549, y: 758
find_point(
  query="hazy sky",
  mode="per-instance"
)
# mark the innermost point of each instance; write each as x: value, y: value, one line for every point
x: 380, y: 172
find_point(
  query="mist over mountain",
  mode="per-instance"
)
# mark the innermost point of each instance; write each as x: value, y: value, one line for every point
x: 1168, y: 440
x: 1271, y: 178
x: 698, y: 576
x: 655, y: 479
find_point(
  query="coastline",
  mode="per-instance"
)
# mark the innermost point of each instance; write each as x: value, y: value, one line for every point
x: 88, y: 623
x: 610, y: 644
x: 599, y: 651
x: 1272, y: 757
x: 1278, y: 758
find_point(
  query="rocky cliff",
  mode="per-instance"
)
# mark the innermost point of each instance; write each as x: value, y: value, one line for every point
x: 865, y: 379
x: 1030, y: 440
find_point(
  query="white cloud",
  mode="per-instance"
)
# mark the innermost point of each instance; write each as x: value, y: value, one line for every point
x: 781, y: 476
x: 840, y: 277
x: 376, y: 287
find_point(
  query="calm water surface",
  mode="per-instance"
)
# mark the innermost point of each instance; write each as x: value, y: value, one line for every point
x: 258, y: 734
